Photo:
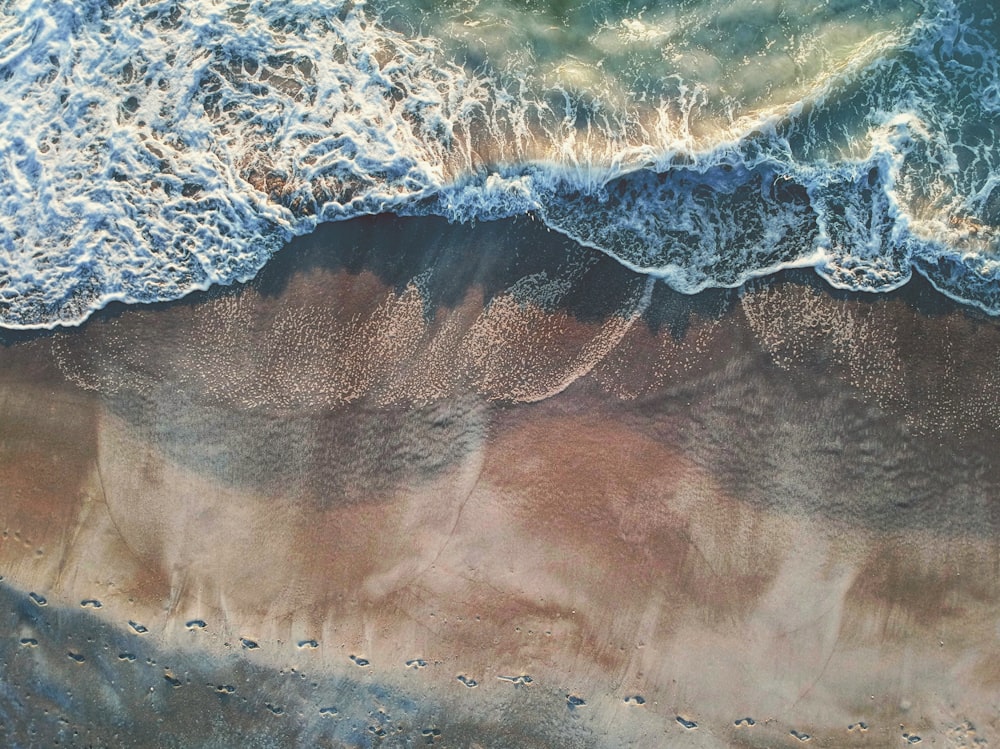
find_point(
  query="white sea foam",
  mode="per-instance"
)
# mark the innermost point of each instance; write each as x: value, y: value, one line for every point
x: 149, y: 148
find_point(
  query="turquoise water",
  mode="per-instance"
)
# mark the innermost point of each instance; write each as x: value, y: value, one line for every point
x: 148, y: 149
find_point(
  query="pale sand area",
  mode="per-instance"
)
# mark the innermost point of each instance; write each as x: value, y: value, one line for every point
x: 777, y: 505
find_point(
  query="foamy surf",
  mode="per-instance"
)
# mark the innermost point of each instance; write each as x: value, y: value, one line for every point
x: 150, y: 149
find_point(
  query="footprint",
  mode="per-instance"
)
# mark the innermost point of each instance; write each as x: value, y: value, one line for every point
x: 76, y: 657
x: 196, y: 624
x: 225, y: 689
x: 311, y: 644
x: 688, y: 724
x: 91, y: 603
x: 745, y: 722
x: 800, y: 736
x: 360, y: 661
x: 574, y: 702
x: 172, y: 680
x: 861, y: 726
x: 470, y: 683
x: 39, y: 600
x: 126, y: 657
x: 416, y: 663
x: 274, y: 708
x: 248, y: 644
x: 328, y: 711
x: 637, y: 699
x: 517, y: 680
x: 912, y: 738
x: 139, y: 628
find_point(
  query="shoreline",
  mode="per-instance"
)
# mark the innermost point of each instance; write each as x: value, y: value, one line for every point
x: 342, y: 245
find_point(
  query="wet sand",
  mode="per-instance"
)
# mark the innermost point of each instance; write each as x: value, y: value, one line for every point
x: 493, y: 485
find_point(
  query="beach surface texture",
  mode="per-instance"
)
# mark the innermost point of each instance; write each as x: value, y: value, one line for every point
x: 499, y: 374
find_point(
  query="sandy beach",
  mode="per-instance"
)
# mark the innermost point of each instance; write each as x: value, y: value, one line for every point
x: 492, y: 489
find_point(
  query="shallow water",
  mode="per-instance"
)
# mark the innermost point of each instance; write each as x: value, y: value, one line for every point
x: 151, y: 149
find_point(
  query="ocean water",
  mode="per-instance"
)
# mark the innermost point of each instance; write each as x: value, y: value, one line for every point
x: 149, y: 148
